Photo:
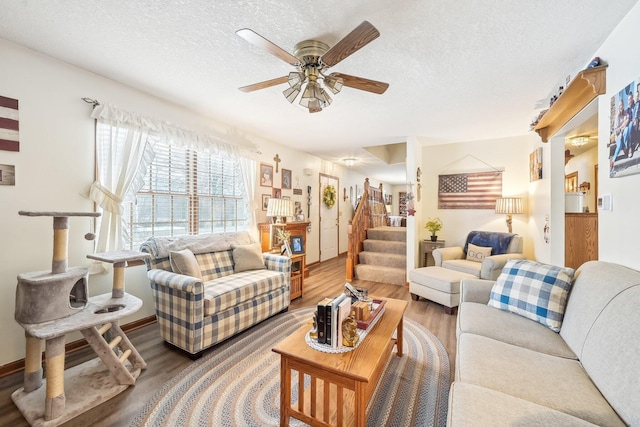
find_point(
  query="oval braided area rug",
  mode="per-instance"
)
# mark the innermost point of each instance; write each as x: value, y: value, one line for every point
x: 238, y: 383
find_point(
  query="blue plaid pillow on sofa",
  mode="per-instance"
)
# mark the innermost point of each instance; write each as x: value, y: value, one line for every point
x: 534, y: 290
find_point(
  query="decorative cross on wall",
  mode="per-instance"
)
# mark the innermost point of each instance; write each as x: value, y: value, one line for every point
x: 277, y: 160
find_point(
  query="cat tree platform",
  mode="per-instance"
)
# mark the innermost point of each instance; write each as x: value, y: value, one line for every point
x: 91, y: 383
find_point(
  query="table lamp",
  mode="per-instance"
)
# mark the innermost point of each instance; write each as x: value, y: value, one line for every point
x: 509, y: 206
x: 279, y: 209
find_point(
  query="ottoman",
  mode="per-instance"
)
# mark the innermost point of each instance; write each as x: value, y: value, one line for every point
x: 437, y: 284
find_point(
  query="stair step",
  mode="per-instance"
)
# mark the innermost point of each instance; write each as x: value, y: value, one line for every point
x: 398, y: 234
x: 374, y: 273
x: 382, y: 259
x: 390, y: 247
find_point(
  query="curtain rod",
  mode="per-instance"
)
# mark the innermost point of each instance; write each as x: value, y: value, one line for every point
x: 91, y: 101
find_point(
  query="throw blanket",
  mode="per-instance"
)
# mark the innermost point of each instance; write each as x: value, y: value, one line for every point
x: 498, y: 242
x: 159, y: 247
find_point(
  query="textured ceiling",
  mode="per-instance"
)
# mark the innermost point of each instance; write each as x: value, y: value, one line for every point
x: 460, y: 70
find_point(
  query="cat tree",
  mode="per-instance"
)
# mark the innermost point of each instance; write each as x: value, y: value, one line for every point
x: 51, y: 304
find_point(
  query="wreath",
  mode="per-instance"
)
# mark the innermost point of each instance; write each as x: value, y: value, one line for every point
x: 329, y: 196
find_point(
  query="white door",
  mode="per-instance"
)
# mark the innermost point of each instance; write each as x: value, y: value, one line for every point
x: 328, y: 220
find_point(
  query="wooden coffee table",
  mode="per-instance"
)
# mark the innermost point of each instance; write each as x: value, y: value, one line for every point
x: 341, y: 384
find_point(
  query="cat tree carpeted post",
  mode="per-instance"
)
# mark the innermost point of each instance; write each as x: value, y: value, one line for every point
x: 32, y: 363
x: 118, y: 279
x: 60, y: 244
x: 55, y: 401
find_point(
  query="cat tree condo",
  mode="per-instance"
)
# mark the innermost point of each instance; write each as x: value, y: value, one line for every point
x: 51, y: 304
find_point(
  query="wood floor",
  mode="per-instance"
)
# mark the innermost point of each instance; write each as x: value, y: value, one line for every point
x: 164, y: 361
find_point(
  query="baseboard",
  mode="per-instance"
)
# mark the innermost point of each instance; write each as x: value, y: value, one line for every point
x: 18, y: 365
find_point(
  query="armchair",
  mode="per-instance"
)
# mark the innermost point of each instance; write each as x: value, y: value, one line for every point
x: 504, y: 246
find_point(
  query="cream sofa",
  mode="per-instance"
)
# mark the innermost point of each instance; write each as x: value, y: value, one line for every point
x: 455, y: 257
x: 226, y: 285
x: 512, y: 371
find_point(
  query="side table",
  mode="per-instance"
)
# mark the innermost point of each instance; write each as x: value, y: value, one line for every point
x: 426, y: 248
x: 297, y: 275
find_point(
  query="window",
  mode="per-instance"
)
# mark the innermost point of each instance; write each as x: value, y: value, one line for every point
x: 186, y: 192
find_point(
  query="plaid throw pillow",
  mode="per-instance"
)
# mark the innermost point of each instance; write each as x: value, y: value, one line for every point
x: 534, y: 290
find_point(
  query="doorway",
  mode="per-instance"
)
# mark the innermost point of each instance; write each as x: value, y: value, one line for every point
x: 329, y: 222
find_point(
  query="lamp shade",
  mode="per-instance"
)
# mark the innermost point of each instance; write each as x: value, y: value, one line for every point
x: 509, y: 205
x: 279, y: 208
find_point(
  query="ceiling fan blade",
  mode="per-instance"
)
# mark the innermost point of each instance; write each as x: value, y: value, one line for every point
x: 265, y: 84
x: 351, y: 43
x: 257, y: 40
x: 362, y: 83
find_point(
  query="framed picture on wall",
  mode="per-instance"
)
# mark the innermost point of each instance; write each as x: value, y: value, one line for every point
x: 265, y: 201
x: 286, y: 179
x: 535, y: 165
x: 624, y: 139
x: 266, y: 175
x: 7, y: 175
x: 276, y: 193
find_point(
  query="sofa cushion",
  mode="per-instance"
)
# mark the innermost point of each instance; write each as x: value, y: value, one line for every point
x: 247, y: 257
x: 555, y: 382
x: 438, y: 278
x: 482, y: 319
x: 611, y: 354
x: 477, y: 253
x: 232, y: 290
x: 472, y: 405
x: 596, y: 284
x: 184, y: 262
x: 463, y: 266
x: 215, y: 264
x: 534, y: 290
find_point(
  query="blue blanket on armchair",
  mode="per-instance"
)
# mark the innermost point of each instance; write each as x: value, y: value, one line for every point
x: 498, y: 242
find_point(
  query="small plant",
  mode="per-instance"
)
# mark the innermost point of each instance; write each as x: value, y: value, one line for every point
x: 283, y: 235
x: 433, y: 225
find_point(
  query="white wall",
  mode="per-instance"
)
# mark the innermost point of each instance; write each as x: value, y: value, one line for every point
x: 56, y: 163
x: 618, y: 230
x: 539, y: 204
x: 508, y: 154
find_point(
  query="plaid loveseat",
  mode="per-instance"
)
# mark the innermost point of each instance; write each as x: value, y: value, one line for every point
x: 194, y: 314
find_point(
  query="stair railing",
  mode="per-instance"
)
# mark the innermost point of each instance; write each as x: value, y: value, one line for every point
x: 371, y: 212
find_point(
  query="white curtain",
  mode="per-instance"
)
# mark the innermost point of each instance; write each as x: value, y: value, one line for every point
x: 124, y: 156
x: 124, y: 151
x: 249, y: 168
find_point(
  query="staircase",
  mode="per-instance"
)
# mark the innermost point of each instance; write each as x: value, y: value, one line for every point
x: 384, y: 258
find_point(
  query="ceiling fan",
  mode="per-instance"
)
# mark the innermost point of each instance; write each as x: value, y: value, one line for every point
x: 312, y: 59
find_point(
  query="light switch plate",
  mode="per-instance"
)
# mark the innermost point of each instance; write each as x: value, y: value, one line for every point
x: 605, y: 202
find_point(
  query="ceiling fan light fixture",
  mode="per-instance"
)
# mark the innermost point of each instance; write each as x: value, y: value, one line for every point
x: 579, y: 141
x: 310, y: 94
x: 296, y: 79
x: 314, y: 106
x: 291, y: 93
x: 333, y: 83
x: 325, y: 99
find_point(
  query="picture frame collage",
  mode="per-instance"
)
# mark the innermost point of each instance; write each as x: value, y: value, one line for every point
x: 269, y: 179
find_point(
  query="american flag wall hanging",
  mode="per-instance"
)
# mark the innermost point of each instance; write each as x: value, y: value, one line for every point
x: 9, y: 124
x: 469, y: 190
